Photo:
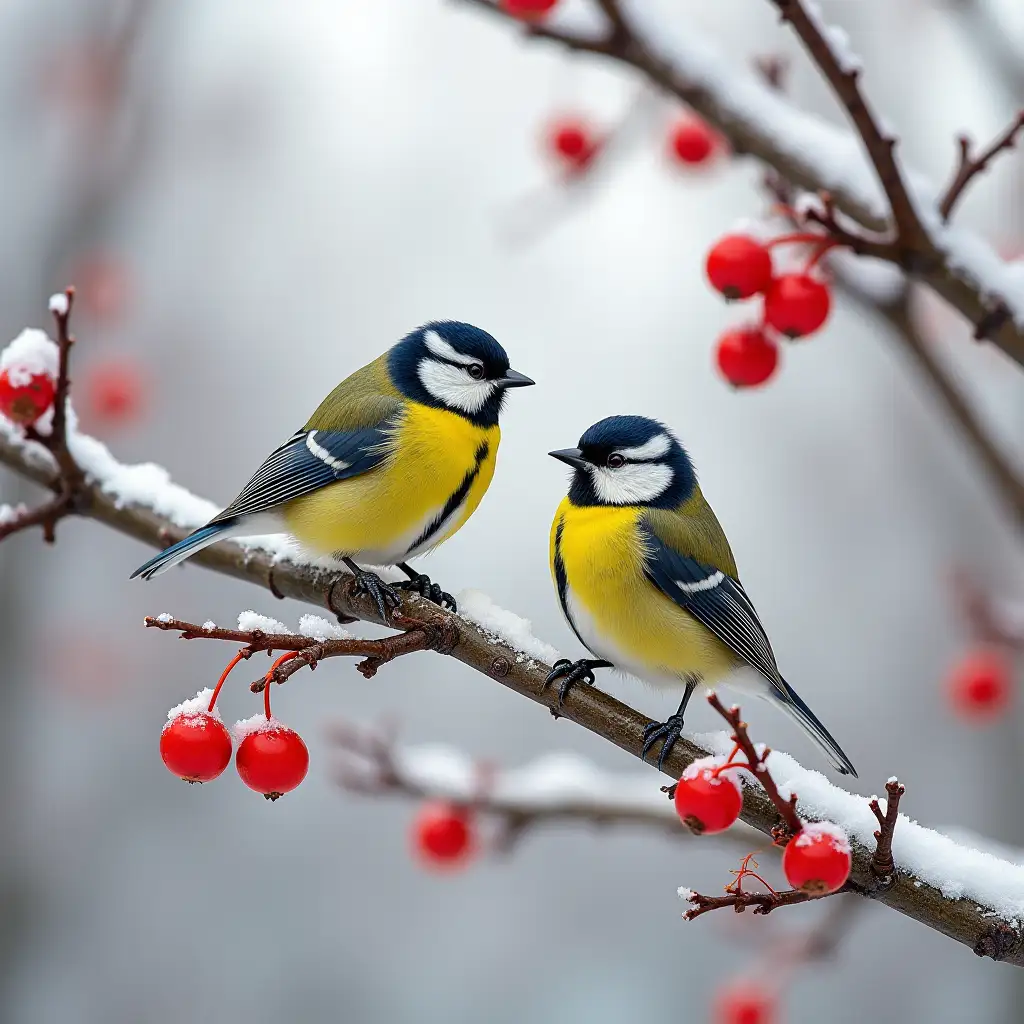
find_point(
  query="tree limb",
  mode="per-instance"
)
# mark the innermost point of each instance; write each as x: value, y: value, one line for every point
x: 906, y: 236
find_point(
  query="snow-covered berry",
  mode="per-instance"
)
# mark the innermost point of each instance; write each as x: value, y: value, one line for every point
x: 980, y: 683
x: 24, y: 398
x: 818, y: 859
x: 746, y: 356
x: 272, y: 759
x: 443, y: 835
x: 692, y: 141
x: 797, y: 304
x: 194, y: 743
x: 739, y: 266
x: 707, y: 802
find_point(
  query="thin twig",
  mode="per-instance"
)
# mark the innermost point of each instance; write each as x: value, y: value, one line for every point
x: 762, y: 902
x: 756, y: 760
x: 881, y: 862
x: 969, y: 167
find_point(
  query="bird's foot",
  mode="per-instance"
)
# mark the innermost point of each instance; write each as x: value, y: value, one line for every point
x: 568, y: 673
x: 421, y: 584
x: 668, y: 731
x: 384, y: 595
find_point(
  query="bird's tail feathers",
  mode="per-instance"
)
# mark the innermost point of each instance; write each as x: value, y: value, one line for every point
x: 790, y: 702
x: 185, y: 548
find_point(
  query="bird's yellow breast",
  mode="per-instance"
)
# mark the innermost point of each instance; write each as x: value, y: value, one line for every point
x: 387, y: 514
x: 617, y: 612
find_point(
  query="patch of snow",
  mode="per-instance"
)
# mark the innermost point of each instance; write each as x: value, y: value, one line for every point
x: 209, y: 624
x: 320, y: 628
x: 30, y: 354
x: 258, y: 723
x: 817, y: 829
x: 164, y: 617
x: 706, y: 766
x: 59, y: 304
x: 836, y: 37
x: 195, y: 707
x: 476, y: 607
x: 250, y: 620
x: 10, y: 513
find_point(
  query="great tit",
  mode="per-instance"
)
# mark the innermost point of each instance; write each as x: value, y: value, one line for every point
x: 392, y: 463
x: 648, y: 583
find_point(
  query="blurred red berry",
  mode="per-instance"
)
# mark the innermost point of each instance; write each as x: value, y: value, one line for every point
x: 112, y: 392
x: 980, y: 683
x: 796, y: 304
x: 707, y: 803
x: 195, y: 746
x: 573, y: 143
x: 101, y: 286
x: 528, y: 9
x: 272, y: 759
x: 818, y: 859
x: 23, y: 397
x: 744, y: 1003
x: 692, y: 141
x: 746, y: 357
x: 739, y: 266
x: 443, y: 836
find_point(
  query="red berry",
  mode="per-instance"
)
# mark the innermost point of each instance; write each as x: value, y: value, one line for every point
x: 980, y: 683
x: 691, y: 141
x: 746, y: 357
x: 272, y: 759
x: 739, y: 266
x: 744, y: 1003
x: 796, y: 304
x: 528, y: 9
x: 573, y: 143
x: 25, y: 397
x: 443, y: 836
x: 708, y: 803
x: 818, y: 859
x: 195, y: 745
x: 112, y: 392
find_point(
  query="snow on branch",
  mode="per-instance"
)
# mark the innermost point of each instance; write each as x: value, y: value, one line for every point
x: 969, y: 895
x: 902, y: 212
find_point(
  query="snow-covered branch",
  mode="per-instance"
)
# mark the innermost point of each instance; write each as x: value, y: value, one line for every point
x: 898, y: 207
x: 969, y: 895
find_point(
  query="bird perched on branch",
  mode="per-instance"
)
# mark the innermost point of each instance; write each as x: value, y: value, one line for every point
x: 647, y: 581
x: 392, y: 463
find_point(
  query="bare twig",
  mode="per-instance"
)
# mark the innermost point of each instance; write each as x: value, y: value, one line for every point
x: 971, y: 166
x: 759, y: 769
x: 762, y: 902
x: 881, y: 861
x: 417, y: 636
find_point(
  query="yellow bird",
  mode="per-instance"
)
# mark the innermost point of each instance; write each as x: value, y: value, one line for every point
x: 648, y: 583
x: 392, y: 463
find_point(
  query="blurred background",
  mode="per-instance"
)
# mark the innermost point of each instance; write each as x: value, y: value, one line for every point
x: 254, y: 200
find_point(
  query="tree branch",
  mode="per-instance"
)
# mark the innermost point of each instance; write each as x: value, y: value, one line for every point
x: 969, y: 167
x: 968, y: 277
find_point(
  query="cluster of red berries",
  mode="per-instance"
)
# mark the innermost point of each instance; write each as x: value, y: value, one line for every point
x: 444, y: 835
x: 708, y: 799
x: 981, y: 683
x: 795, y: 304
x: 574, y: 143
x: 195, y: 745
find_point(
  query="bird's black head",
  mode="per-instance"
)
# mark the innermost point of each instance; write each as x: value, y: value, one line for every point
x: 454, y: 366
x: 629, y: 460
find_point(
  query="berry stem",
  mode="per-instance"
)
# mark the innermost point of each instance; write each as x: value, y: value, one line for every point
x: 824, y: 247
x: 800, y: 237
x: 269, y: 678
x: 223, y: 677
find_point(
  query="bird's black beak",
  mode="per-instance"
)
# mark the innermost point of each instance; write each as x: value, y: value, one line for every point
x: 571, y: 457
x: 515, y: 379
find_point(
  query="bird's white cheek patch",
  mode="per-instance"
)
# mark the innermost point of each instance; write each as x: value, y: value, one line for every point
x: 453, y: 387
x: 631, y: 484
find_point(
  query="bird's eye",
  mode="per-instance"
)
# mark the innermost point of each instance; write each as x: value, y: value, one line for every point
x: 615, y: 460
x: 476, y: 371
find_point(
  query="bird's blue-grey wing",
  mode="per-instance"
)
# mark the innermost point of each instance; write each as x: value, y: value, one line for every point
x: 711, y: 596
x: 307, y: 461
